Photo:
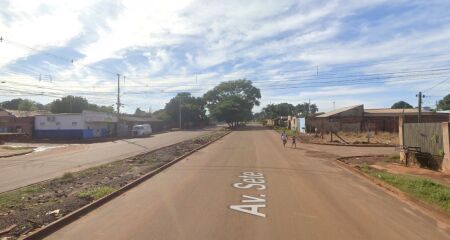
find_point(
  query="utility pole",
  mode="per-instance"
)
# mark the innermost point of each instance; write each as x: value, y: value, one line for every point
x: 420, y: 96
x: 118, y: 104
x: 309, y: 111
x: 334, y: 106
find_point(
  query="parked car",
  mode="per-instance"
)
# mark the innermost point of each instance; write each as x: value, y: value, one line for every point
x: 141, y: 130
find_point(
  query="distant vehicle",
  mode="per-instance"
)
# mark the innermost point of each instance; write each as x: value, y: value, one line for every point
x: 141, y: 130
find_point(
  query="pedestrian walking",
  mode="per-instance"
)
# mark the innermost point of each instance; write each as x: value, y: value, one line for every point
x: 294, y: 144
x: 284, y: 138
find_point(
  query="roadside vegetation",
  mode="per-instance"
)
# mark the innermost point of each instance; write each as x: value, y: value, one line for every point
x: 28, y: 208
x: 289, y: 132
x: 428, y: 191
x: 96, y: 192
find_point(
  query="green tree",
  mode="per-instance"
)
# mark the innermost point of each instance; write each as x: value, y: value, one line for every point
x: 444, y: 104
x: 233, y: 101
x: 22, y: 104
x: 162, y: 115
x: 139, y: 112
x: 192, y: 110
x: 304, y: 109
x: 69, y: 104
x: 27, y: 105
x: 401, y: 105
x: 97, y: 108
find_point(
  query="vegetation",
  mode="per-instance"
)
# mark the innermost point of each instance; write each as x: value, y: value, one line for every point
x: 162, y: 115
x: 286, y: 109
x: 22, y: 104
x: 289, y: 132
x: 444, y: 104
x: 141, y: 113
x: 233, y: 101
x: 16, y: 197
x: 423, y: 189
x: 401, y: 105
x: 192, y: 110
x: 96, y: 192
x: 73, y: 104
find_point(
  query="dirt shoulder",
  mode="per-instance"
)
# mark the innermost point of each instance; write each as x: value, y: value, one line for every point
x: 10, y: 151
x: 427, y: 187
x: 25, y: 209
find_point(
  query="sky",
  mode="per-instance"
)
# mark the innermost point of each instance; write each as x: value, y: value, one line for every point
x: 333, y: 53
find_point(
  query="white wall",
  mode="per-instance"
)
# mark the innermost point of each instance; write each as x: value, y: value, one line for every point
x: 63, y: 121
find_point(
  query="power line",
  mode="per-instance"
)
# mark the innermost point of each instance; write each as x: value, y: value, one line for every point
x: 439, y: 83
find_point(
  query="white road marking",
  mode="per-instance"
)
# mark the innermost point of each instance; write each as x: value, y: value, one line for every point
x: 251, y: 180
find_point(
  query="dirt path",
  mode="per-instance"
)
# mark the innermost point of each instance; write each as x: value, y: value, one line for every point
x: 302, y: 195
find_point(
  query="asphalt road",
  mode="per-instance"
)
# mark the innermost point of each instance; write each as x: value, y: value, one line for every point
x: 296, y: 194
x: 27, y: 169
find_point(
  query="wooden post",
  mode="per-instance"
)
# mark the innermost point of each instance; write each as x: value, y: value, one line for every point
x: 401, y: 120
x: 446, y: 145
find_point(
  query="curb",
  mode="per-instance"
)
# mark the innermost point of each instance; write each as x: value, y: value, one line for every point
x: 71, y: 217
x: 17, y: 154
x: 397, y: 193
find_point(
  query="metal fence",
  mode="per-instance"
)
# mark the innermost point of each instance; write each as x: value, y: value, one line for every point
x: 426, y: 136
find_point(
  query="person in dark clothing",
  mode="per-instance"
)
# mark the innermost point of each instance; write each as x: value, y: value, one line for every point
x: 294, y: 143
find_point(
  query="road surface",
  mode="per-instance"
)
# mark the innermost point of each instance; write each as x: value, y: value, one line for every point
x: 27, y: 169
x: 295, y: 194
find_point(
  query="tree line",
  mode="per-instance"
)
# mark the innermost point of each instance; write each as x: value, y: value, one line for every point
x: 286, y: 109
x: 231, y: 102
x: 68, y: 104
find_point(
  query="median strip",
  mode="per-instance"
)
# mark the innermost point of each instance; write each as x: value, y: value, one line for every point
x: 63, y: 200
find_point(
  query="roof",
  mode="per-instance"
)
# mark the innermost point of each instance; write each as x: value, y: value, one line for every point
x: 19, y: 113
x: 337, y: 111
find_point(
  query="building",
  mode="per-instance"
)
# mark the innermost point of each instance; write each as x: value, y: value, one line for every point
x: 128, y: 121
x: 357, y: 119
x: 85, y: 125
x: 16, y: 121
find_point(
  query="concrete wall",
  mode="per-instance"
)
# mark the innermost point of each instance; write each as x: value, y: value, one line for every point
x: 58, y: 122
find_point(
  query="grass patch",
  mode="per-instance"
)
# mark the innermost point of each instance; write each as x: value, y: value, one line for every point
x: 16, y: 148
x: 96, y: 192
x: 392, y: 158
x: 423, y: 189
x: 289, y: 132
x: 16, y: 197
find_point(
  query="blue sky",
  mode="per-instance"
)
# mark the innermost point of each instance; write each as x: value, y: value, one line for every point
x: 371, y: 52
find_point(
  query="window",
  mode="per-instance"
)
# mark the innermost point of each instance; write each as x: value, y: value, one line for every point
x: 51, y: 118
x: 58, y: 123
x: 42, y: 123
x: 74, y: 123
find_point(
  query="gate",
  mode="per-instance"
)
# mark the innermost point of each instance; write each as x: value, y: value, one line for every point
x: 425, y: 136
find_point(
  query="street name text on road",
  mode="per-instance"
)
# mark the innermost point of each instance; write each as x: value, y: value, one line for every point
x: 252, y: 204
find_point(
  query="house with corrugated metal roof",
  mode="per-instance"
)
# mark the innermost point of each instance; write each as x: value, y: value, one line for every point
x: 17, y: 121
x: 357, y: 119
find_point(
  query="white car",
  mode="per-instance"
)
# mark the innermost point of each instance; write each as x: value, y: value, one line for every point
x: 141, y: 130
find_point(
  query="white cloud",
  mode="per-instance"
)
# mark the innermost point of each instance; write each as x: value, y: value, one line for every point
x: 269, y: 40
